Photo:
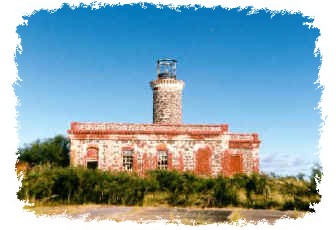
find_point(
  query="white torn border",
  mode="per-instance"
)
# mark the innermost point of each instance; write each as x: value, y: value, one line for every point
x: 11, y: 12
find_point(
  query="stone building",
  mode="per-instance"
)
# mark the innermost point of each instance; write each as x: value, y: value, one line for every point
x: 205, y: 149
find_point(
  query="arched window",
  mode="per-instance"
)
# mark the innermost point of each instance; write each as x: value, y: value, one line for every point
x: 162, y: 159
x: 127, y: 160
x: 92, y: 158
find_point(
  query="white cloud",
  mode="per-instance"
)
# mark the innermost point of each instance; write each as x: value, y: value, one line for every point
x: 285, y: 164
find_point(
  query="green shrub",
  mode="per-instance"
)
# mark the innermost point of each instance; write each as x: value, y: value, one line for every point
x: 50, y: 184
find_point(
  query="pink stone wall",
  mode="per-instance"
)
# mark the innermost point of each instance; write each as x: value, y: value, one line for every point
x: 204, y: 152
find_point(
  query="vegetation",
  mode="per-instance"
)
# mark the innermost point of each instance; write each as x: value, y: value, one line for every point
x: 48, y: 179
x: 57, y: 185
x: 54, y: 151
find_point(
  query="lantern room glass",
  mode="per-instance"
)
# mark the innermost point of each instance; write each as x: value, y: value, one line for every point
x: 166, y: 68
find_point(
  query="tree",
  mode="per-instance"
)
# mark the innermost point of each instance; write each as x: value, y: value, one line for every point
x: 315, y: 177
x: 54, y: 151
x: 224, y: 193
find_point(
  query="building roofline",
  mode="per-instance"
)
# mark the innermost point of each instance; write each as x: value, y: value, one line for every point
x: 132, y: 128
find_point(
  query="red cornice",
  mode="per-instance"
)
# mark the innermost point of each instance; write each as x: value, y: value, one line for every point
x: 126, y: 136
x: 98, y: 128
x: 243, y: 144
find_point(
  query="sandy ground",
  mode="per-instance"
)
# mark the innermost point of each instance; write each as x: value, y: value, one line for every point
x: 171, y: 214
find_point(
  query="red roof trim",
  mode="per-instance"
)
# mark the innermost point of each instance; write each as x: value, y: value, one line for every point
x: 128, y: 128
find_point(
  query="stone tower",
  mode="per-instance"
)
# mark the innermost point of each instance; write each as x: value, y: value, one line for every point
x: 167, y: 94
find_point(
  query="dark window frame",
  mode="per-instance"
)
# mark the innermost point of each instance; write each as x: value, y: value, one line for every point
x: 128, y: 161
x: 162, y: 160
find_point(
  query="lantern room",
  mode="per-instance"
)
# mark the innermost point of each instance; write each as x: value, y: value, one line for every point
x: 166, y: 68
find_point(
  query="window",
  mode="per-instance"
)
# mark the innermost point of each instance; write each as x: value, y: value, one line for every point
x: 127, y: 160
x: 92, y: 164
x: 162, y: 160
x: 92, y: 157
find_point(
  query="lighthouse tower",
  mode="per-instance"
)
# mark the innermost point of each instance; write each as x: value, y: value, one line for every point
x: 167, y: 93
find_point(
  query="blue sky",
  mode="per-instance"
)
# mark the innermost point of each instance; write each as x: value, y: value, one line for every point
x: 255, y: 73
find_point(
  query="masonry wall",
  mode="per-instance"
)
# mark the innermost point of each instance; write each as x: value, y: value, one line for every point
x: 167, y: 107
x: 167, y: 101
x: 203, y: 155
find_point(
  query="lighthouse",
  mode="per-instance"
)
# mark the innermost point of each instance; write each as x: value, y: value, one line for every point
x: 167, y: 143
x: 167, y: 93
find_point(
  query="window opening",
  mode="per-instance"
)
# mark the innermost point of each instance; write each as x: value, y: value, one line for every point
x: 128, y: 160
x: 92, y: 164
x: 162, y: 160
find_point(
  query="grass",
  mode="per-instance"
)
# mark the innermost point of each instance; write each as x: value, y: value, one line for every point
x: 60, y: 209
x: 156, y: 199
x: 235, y: 216
x: 298, y: 214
